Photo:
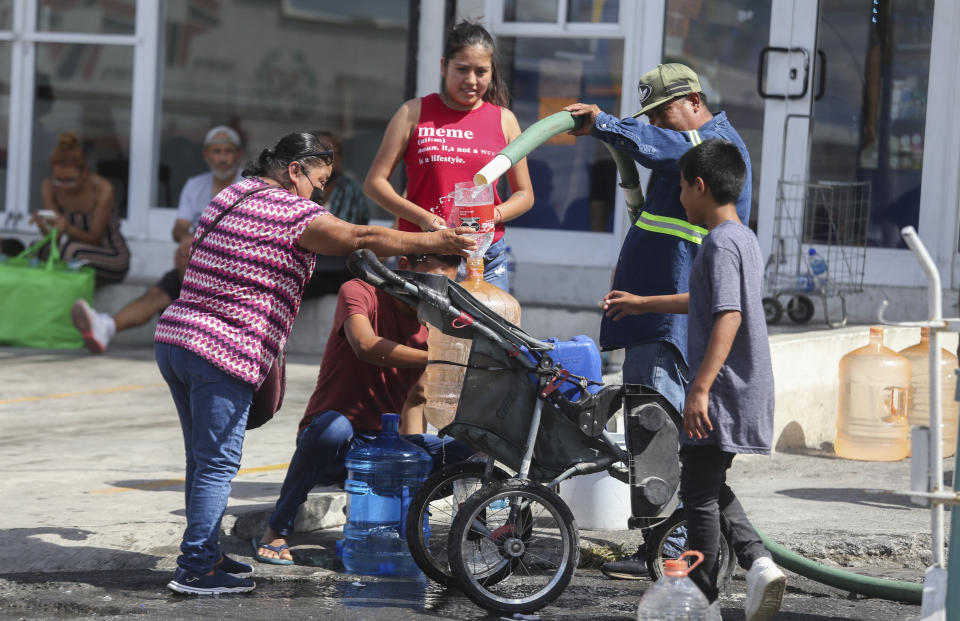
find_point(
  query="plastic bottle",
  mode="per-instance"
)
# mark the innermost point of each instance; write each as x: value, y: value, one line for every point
x: 382, y: 477
x: 918, y: 399
x: 675, y: 597
x: 818, y: 266
x: 872, y: 408
x: 442, y: 382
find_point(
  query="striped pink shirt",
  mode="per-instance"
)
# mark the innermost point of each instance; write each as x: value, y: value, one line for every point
x: 243, y: 286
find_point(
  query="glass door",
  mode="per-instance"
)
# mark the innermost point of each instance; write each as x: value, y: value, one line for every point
x: 845, y: 85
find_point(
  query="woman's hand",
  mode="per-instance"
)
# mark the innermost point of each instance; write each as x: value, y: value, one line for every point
x: 432, y: 222
x: 453, y: 241
x: 59, y: 222
x: 620, y: 304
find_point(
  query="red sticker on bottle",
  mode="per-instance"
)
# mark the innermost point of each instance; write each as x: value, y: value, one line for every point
x: 478, y: 217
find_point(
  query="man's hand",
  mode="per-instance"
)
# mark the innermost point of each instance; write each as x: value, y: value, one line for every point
x: 589, y: 112
x: 696, y: 420
x: 453, y: 241
x: 619, y: 304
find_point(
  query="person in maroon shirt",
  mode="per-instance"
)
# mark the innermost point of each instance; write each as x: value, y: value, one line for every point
x: 372, y: 364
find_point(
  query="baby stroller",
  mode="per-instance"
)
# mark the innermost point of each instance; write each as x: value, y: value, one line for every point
x: 506, y: 538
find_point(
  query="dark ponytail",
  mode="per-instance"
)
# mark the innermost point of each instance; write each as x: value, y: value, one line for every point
x: 467, y: 34
x: 300, y: 147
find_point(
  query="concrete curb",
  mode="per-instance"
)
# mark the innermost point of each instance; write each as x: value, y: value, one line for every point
x: 321, y: 511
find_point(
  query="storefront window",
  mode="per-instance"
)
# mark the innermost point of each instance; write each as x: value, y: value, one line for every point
x: 574, y: 181
x: 269, y: 68
x: 869, y: 125
x: 593, y: 11
x: 84, y: 89
x: 721, y: 40
x: 91, y: 16
x: 531, y: 11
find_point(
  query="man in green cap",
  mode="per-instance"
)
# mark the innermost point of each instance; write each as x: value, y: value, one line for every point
x: 659, y: 248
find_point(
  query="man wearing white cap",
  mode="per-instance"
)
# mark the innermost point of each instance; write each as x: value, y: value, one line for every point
x: 222, y: 152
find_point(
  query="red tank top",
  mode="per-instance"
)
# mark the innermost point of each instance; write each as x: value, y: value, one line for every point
x: 449, y: 146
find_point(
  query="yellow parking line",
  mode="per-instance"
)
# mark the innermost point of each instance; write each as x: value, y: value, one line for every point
x: 67, y: 395
x: 172, y: 482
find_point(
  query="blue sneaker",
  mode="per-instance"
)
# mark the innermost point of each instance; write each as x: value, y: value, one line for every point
x: 200, y: 584
x: 236, y: 569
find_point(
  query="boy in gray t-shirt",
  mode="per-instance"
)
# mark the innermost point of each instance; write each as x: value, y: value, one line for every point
x: 729, y: 405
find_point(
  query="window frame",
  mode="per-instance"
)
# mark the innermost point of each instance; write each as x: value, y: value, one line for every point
x: 144, y: 44
x: 640, y: 27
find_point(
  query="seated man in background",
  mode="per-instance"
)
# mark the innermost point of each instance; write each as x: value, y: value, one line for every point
x: 344, y: 198
x: 222, y: 152
x: 372, y: 364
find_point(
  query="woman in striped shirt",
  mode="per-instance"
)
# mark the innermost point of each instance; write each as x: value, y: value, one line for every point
x: 240, y: 295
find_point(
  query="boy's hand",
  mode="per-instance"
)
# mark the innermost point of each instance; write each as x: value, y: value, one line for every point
x: 589, y: 111
x: 696, y: 421
x: 619, y: 304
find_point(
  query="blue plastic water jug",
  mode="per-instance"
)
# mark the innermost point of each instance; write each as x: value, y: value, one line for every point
x: 581, y: 357
x: 382, y: 477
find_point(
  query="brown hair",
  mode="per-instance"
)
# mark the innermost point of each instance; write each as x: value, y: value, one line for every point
x: 68, y: 152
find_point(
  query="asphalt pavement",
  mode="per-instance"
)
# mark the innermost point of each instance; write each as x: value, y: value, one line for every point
x: 91, y: 481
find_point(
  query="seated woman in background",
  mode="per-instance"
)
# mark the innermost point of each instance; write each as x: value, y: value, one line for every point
x: 83, y: 206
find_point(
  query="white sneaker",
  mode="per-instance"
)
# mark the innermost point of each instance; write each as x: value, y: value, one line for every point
x: 765, y: 587
x: 96, y: 328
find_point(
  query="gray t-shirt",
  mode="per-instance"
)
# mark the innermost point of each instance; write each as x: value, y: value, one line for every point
x: 727, y: 274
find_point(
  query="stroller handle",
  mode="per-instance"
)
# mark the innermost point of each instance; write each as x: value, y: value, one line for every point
x: 365, y: 265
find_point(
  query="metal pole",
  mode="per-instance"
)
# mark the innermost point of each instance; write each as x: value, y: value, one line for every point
x: 936, y: 413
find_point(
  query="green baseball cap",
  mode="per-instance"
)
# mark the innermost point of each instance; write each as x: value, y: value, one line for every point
x: 664, y: 83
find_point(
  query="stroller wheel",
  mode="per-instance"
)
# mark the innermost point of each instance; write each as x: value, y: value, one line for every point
x: 432, y: 510
x: 669, y: 540
x: 527, y: 541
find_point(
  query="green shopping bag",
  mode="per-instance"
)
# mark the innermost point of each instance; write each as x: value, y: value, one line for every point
x: 35, y: 299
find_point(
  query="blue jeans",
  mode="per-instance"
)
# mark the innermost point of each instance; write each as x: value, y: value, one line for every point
x: 319, y: 458
x: 660, y: 366
x: 213, y: 409
x: 494, y: 266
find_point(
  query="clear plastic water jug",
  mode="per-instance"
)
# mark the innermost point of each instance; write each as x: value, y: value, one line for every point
x: 382, y: 477
x: 872, y: 408
x: 918, y: 398
x: 442, y: 382
x: 675, y: 597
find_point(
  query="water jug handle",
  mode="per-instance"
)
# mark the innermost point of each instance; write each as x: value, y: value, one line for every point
x: 695, y: 553
x: 898, y: 404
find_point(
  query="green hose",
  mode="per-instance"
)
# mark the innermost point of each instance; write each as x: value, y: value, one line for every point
x: 882, y: 588
x: 545, y: 129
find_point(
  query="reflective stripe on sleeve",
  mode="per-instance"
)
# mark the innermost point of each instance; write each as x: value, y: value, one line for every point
x: 671, y: 226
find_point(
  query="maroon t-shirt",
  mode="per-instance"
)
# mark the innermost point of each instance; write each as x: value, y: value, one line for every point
x: 358, y: 390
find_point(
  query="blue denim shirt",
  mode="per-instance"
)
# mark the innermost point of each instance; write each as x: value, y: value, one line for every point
x: 654, y: 263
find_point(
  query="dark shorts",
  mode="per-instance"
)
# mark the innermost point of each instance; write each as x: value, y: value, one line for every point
x: 170, y: 283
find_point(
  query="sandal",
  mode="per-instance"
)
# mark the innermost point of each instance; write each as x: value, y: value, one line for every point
x: 266, y: 559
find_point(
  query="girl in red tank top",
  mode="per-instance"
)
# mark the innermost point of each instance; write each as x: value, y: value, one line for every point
x: 444, y: 138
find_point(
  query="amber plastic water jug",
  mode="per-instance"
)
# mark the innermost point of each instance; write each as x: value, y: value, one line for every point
x: 442, y: 382
x: 918, y: 397
x: 872, y: 409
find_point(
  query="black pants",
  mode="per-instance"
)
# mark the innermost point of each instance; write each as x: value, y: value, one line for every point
x: 707, y: 500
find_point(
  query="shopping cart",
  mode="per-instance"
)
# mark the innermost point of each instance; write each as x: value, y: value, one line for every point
x: 830, y: 219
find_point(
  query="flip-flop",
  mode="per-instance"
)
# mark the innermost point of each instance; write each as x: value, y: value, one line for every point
x: 265, y: 559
